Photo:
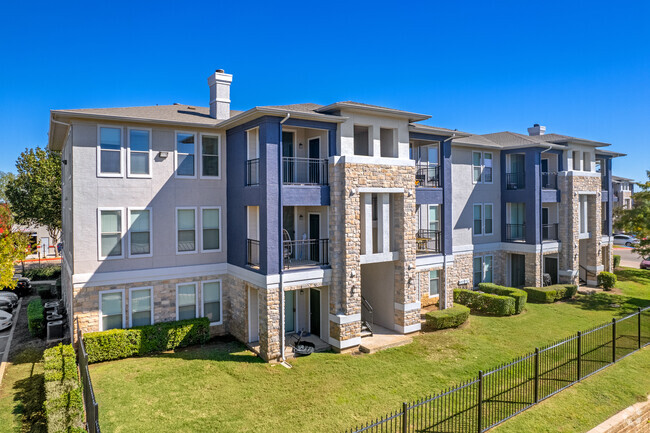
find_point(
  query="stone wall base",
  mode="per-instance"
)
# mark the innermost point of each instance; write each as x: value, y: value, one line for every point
x: 634, y: 419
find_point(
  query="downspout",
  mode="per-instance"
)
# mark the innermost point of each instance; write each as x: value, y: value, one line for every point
x: 444, y: 254
x: 281, y: 255
x: 541, y: 212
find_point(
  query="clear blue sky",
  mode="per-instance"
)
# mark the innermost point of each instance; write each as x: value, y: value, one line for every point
x: 581, y: 68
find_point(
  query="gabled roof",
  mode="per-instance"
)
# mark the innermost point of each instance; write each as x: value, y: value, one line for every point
x: 621, y: 179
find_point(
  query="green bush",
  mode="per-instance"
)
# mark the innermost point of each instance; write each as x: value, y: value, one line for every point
x: 518, y: 295
x: 607, y: 280
x: 43, y: 290
x: 51, y: 272
x: 447, y: 318
x: 617, y: 260
x: 485, y: 303
x: 541, y: 295
x: 571, y: 290
x: 36, y: 317
x: 123, y: 343
x: 63, y: 395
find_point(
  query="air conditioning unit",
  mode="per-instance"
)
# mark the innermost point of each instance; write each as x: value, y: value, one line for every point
x: 55, y: 330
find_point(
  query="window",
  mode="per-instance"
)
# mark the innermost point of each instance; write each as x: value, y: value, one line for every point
x: 185, y: 162
x: 476, y: 166
x: 361, y: 140
x: 111, y: 309
x: 139, y: 232
x: 210, y: 222
x: 487, y: 268
x: 482, y: 269
x: 478, y: 270
x: 434, y: 283
x: 211, y: 295
x: 487, y: 170
x: 478, y: 224
x: 583, y: 215
x: 487, y: 215
x: 252, y: 157
x: 434, y: 217
x: 186, y: 230
x: 110, y: 222
x: 186, y: 301
x: 110, y: 152
x: 140, y: 306
x: 209, y: 156
x: 139, y: 152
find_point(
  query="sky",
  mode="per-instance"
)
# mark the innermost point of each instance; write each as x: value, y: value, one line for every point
x: 580, y: 68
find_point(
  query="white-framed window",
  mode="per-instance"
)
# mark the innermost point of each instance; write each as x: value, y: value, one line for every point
x: 434, y: 217
x: 140, y: 232
x: 488, y: 228
x: 185, y: 154
x: 210, y: 229
x: 140, y: 306
x: 110, y: 225
x: 476, y: 167
x: 487, y: 269
x: 487, y: 167
x: 478, y: 219
x: 186, y: 305
x: 252, y: 156
x: 483, y: 219
x: 477, y: 268
x: 211, y: 301
x: 111, y: 309
x: 109, y: 151
x: 434, y: 283
x: 185, y: 230
x: 139, y: 154
x: 210, y: 156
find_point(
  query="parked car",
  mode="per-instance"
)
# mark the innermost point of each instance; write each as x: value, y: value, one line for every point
x: 7, y: 304
x: 9, y: 295
x: 626, y: 240
x: 645, y: 263
x: 5, y: 320
x: 23, y: 286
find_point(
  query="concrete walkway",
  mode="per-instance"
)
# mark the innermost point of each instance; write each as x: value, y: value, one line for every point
x: 383, y: 338
x: 5, y: 341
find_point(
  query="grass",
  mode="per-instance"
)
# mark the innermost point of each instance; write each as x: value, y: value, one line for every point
x: 223, y: 387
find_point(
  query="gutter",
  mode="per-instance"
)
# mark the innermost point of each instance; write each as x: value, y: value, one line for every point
x: 541, y: 212
x: 281, y: 255
x: 444, y: 255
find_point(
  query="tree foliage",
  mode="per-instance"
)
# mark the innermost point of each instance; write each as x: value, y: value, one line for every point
x: 13, y: 247
x: 4, y: 180
x: 34, y: 194
x: 636, y: 221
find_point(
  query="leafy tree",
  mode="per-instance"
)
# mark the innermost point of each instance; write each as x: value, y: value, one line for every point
x: 4, y: 180
x: 13, y: 248
x: 34, y: 194
x: 636, y: 221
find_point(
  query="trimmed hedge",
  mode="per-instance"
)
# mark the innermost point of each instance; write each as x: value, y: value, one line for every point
x: 36, y: 317
x: 550, y: 294
x: 485, y: 303
x: 124, y: 343
x: 45, y: 273
x: 447, y: 318
x: 63, y: 396
x: 617, y: 260
x: 607, y: 280
x: 519, y: 295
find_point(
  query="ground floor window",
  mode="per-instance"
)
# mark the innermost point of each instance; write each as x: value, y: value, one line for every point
x: 434, y: 283
x: 140, y: 306
x: 211, y: 295
x: 477, y: 270
x: 111, y: 308
x: 482, y: 270
x: 186, y: 301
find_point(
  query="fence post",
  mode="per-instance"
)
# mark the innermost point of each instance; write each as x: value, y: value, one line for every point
x: 579, y: 359
x: 537, y: 375
x: 613, y: 340
x: 480, y: 401
x: 405, y: 424
x: 639, y: 327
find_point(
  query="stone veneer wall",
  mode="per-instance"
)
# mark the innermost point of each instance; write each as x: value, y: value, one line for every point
x: 460, y: 270
x: 608, y: 257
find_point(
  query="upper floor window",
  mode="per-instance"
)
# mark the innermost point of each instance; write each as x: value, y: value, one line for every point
x: 209, y: 156
x: 110, y: 228
x: 186, y: 230
x: 252, y: 157
x: 110, y: 152
x: 476, y: 166
x: 139, y: 155
x: 487, y: 167
x: 185, y: 152
x: 210, y: 222
x: 139, y: 232
x: 478, y: 219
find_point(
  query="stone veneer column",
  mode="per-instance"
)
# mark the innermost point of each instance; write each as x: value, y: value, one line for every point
x: 407, y: 304
x: 269, y: 318
x: 533, y: 270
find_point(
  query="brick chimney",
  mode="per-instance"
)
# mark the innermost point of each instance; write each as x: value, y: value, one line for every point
x: 219, y: 83
x: 537, y: 130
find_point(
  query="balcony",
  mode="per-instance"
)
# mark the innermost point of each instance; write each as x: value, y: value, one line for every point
x: 304, y: 171
x: 515, y: 232
x: 550, y: 232
x: 549, y: 180
x: 253, y: 253
x: 515, y: 181
x: 427, y: 175
x: 428, y: 242
x: 306, y: 252
x: 605, y: 228
x: 253, y: 172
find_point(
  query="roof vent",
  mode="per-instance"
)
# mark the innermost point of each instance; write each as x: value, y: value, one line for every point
x: 537, y: 130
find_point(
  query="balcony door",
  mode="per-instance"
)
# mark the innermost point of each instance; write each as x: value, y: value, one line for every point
x: 516, y: 215
x: 314, y: 161
x: 517, y: 270
x: 288, y: 151
x: 314, y: 236
x: 545, y: 227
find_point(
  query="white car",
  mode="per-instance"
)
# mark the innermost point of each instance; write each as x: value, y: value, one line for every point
x: 5, y: 320
x: 626, y: 240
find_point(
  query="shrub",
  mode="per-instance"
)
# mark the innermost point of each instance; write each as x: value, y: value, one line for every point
x: 617, y: 260
x: 123, y: 343
x: 607, y: 280
x: 36, y: 317
x: 63, y: 396
x: 485, y: 303
x: 571, y: 290
x: 45, y: 273
x: 447, y: 318
x: 541, y: 295
x: 518, y: 295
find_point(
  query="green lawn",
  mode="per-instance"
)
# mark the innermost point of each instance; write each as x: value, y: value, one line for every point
x: 223, y: 387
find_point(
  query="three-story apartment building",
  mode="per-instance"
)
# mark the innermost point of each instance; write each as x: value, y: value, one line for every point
x: 330, y: 219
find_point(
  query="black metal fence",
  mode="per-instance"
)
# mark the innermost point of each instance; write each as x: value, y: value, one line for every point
x: 253, y: 172
x: 306, y: 252
x: 501, y: 393
x: 549, y: 180
x: 90, y: 404
x: 427, y: 175
x: 515, y: 180
x: 428, y: 241
x: 550, y: 232
x: 515, y: 232
x: 305, y: 171
x: 252, y: 252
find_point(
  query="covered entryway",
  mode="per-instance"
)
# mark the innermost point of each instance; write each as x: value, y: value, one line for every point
x: 517, y: 270
x: 551, y: 268
x: 378, y: 294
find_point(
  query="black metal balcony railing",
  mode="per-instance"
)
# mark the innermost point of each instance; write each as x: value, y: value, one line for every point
x: 304, y: 171
x: 515, y: 180
x: 605, y: 228
x: 549, y: 180
x: 428, y: 241
x: 427, y: 175
x: 515, y: 232
x: 549, y: 232
x: 603, y: 183
x: 253, y: 172
x: 252, y: 252
x: 307, y: 252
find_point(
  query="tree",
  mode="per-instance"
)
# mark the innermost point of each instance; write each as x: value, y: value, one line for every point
x: 636, y: 221
x: 4, y: 180
x: 34, y: 194
x: 13, y: 247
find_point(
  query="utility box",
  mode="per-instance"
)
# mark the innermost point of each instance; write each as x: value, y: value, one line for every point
x: 55, y: 330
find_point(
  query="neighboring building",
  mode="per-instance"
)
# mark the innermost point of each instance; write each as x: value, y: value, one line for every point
x: 623, y: 190
x: 304, y: 216
x: 44, y: 246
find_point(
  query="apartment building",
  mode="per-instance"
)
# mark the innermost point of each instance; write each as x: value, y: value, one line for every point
x: 623, y: 190
x: 333, y: 219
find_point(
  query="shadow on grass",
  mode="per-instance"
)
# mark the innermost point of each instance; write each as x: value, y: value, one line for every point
x: 29, y: 396
x: 639, y: 276
x: 617, y: 304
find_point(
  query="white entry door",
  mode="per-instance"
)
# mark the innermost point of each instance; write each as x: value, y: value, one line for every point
x: 45, y: 246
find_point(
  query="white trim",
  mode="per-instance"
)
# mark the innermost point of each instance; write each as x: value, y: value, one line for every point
x: 128, y: 232
x: 99, y: 151
x: 131, y: 289
x: 176, y: 175
x: 424, y: 261
x: 309, y: 224
x: 408, y: 307
x: 595, y: 269
x: 374, y: 160
x: 128, y: 153
x: 249, y: 131
x: 218, y: 280
x: 196, y: 237
x: 480, y: 205
x: 196, y: 297
x: 200, y: 164
x: 99, y: 312
x: 483, y: 168
x: 147, y: 275
x: 319, y: 138
x: 364, y: 190
x: 99, y: 232
x: 350, y: 342
x: 485, y: 233
x: 379, y: 257
x: 480, y: 166
x: 201, y: 209
x: 342, y: 319
x: 408, y: 329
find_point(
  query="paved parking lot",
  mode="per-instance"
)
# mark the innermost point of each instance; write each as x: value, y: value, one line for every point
x: 629, y: 258
x: 5, y: 340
